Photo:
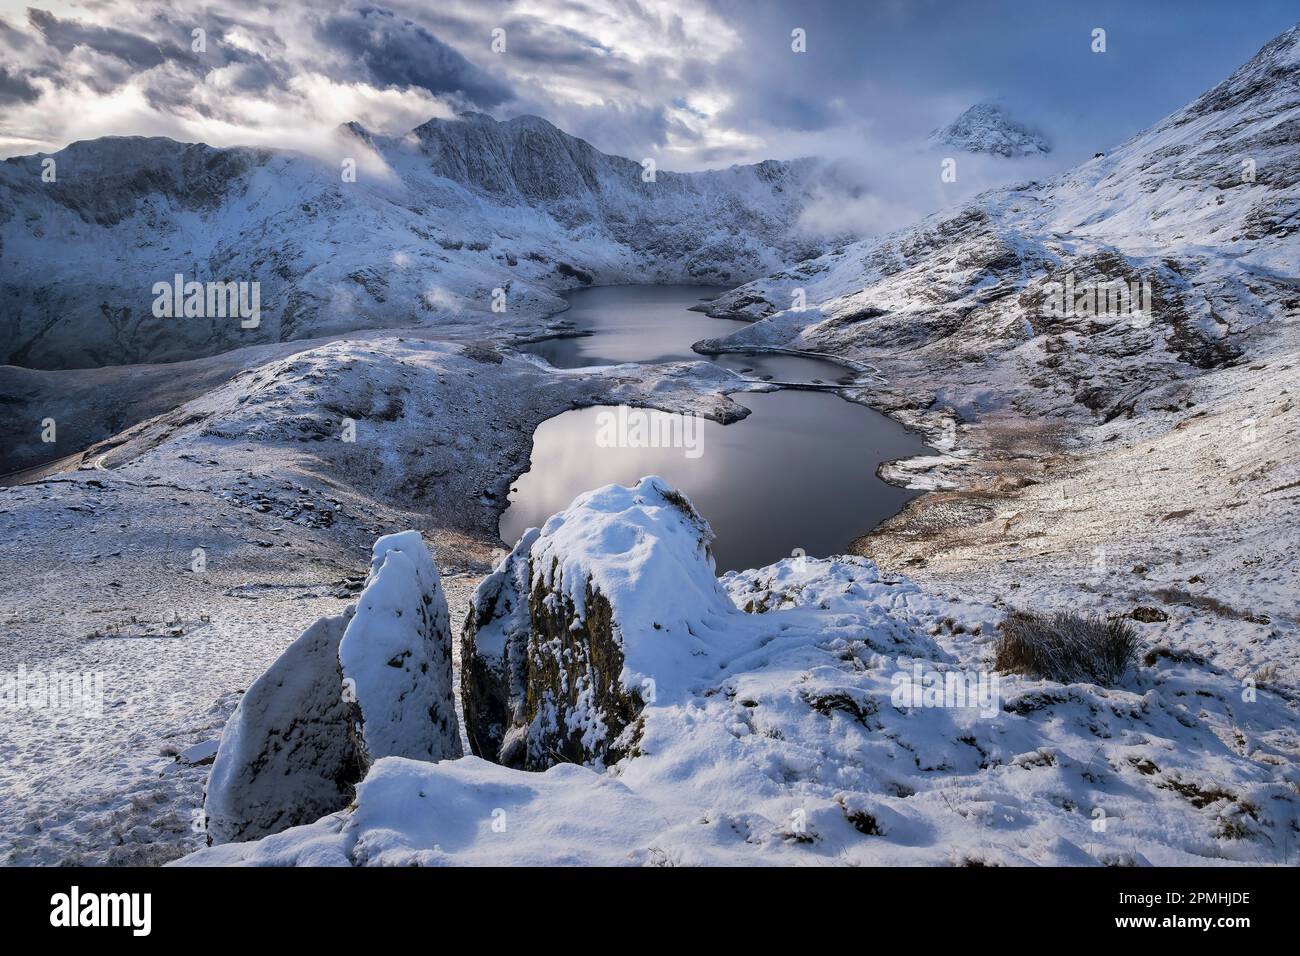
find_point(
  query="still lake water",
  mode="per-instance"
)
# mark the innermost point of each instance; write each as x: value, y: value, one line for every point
x: 799, y: 473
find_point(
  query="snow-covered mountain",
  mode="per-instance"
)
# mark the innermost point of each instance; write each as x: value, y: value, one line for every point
x: 1143, y: 465
x: 1146, y: 455
x: 432, y: 223
x: 989, y: 128
x: 1204, y: 207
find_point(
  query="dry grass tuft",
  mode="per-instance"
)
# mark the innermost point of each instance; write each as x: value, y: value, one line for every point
x: 1066, y: 647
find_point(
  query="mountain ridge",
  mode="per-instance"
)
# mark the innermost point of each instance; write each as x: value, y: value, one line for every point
x: 1115, y: 454
x: 459, y: 208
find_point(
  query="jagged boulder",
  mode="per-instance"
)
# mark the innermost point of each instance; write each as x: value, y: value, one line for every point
x: 372, y: 682
x: 585, y: 623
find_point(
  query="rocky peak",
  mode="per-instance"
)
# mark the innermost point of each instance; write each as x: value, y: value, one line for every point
x: 1271, y: 74
x: 988, y: 128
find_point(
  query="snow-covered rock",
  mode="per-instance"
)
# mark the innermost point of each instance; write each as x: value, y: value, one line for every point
x: 370, y: 683
x: 989, y: 128
x: 396, y: 657
x: 445, y: 225
x: 606, y: 606
x: 286, y: 756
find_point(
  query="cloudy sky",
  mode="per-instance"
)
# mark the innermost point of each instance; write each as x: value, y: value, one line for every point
x: 694, y: 84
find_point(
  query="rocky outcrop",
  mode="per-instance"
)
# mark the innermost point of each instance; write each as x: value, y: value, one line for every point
x: 494, y: 656
x: 577, y: 706
x: 583, y: 625
x: 372, y: 682
x: 396, y: 657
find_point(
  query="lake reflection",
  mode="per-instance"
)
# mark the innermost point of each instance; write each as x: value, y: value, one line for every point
x: 798, y: 473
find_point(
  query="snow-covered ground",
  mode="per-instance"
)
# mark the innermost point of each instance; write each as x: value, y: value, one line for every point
x: 798, y: 714
x: 99, y: 576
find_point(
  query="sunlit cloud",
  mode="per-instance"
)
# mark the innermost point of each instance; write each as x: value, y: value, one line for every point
x: 694, y: 85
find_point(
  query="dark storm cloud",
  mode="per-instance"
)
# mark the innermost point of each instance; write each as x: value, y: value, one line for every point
x: 159, y: 50
x: 140, y: 52
x: 12, y: 38
x: 251, y: 74
x: 536, y: 41
x: 395, y: 51
x: 170, y: 89
x: 251, y: 71
x: 692, y: 83
x: 537, y: 46
x: 15, y: 88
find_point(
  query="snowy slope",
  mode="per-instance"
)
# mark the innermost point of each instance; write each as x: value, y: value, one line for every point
x: 433, y: 223
x: 955, y: 312
x: 1149, y: 469
x: 777, y: 733
x: 1171, y: 206
x: 255, y: 473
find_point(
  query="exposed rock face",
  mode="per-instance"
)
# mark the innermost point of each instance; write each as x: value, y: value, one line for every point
x: 989, y: 128
x: 568, y: 640
x: 494, y: 656
x: 433, y: 222
x: 286, y: 757
x: 577, y: 708
x: 371, y: 683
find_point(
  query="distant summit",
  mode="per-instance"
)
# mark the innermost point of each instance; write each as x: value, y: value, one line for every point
x: 988, y: 128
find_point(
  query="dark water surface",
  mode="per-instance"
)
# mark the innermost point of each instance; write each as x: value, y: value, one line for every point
x: 796, y: 475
